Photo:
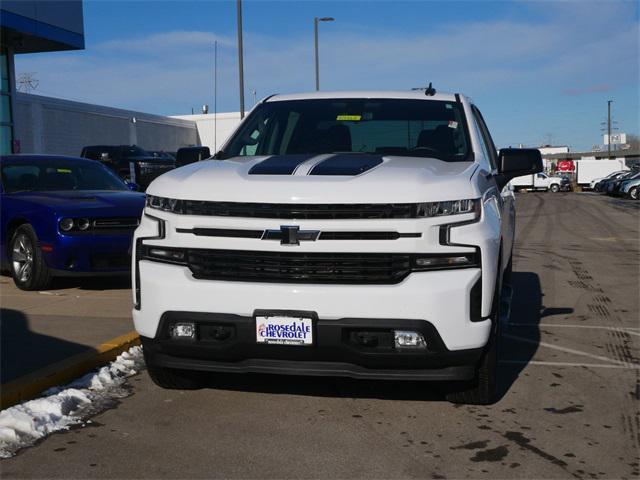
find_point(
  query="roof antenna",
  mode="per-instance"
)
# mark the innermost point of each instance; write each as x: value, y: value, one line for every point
x: 430, y: 91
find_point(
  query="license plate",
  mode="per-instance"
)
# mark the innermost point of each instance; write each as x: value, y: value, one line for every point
x: 280, y: 330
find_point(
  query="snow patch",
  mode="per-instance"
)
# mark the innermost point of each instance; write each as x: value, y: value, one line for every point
x: 61, y: 407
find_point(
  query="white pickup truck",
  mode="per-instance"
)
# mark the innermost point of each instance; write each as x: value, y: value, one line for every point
x: 359, y: 234
x: 540, y: 181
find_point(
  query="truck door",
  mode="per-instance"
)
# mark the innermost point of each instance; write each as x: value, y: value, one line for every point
x: 540, y: 180
x: 506, y: 199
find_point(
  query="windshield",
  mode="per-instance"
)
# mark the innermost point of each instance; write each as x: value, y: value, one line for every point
x: 47, y: 176
x: 134, y: 151
x: 414, y: 128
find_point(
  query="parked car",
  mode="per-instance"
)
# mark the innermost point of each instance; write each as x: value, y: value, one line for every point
x: 631, y: 188
x: 162, y: 154
x: 604, y: 185
x: 64, y: 216
x: 367, y: 235
x: 613, y: 186
x: 130, y: 162
x: 597, y: 182
x: 187, y: 155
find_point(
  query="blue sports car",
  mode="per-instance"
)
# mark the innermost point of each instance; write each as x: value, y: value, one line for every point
x: 64, y: 216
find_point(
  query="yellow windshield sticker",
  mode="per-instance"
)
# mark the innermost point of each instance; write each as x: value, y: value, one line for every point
x: 349, y: 118
x: 64, y: 170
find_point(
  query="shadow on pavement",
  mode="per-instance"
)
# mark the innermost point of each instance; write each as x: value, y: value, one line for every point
x: 527, y: 309
x: 23, y: 351
x: 91, y: 283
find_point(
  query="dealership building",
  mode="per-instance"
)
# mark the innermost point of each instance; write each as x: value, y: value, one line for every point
x: 39, y: 124
x: 30, y: 27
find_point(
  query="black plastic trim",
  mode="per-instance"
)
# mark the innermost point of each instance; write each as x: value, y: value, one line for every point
x: 333, y: 353
x: 161, y: 235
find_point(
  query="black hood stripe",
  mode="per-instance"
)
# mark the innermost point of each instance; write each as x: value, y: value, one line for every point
x: 346, y: 164
x: 279, y: 164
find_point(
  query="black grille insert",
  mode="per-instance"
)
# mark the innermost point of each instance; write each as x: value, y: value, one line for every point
x: 300, y: 211
x: 294, y: 267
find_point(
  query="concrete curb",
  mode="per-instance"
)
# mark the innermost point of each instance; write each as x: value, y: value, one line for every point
x: 32, y: 384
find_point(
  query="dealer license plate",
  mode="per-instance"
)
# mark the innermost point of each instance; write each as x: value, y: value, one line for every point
x: 284, y: 330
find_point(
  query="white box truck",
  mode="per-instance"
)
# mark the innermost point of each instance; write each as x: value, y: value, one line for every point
x: 588, y: 172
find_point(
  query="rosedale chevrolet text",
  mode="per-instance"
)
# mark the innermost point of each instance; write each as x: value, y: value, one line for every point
x: 358, y: 234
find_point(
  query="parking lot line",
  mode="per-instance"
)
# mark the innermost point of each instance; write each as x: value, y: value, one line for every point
x: 568, y: 364
x: 567, y: 350
x: 631, y: 330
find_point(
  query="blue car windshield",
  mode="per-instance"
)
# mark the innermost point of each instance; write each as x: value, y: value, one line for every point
x: 48, y: 176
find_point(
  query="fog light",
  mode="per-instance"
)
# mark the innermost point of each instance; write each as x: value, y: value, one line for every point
x: 408, y: 339
x: 184, y: 330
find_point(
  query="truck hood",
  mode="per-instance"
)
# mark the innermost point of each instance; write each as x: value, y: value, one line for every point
x: 332, y: 178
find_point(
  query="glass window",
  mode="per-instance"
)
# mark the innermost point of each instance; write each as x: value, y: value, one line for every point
x: 403, y: 127
x: 486, y: 136
x: 5, y: 108
x: 4, y: 71
x: 5, y: 140
x: 58, y: 175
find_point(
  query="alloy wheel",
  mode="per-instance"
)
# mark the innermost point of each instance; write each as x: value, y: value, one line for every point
x: 22, y: 258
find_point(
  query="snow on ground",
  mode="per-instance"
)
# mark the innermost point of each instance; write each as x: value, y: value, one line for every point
x: 62, y: 407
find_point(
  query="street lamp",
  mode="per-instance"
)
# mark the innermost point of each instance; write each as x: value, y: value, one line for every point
x: 315, y: 36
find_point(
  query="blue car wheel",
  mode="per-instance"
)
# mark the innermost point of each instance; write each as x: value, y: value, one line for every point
x: 28, y: 268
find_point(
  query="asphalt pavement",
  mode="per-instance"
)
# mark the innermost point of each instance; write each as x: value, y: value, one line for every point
x: 569, y: 380
x: 73, y: 317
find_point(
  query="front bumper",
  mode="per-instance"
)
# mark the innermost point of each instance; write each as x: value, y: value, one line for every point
x: 226, y: 343
x: 87, y: 254
x: 442, y: 298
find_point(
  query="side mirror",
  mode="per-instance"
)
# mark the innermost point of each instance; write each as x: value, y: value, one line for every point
x: 516, y: 162
x: 134, y: 187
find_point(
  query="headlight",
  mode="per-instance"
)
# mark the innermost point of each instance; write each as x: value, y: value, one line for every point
x: 445, y: 261
x: 66, y: 224
x: 166, y: 204
x: 83, y: 223
x: 451, y: 207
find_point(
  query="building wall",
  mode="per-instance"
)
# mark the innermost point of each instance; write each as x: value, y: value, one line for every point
x: 55, y: 126
x: 212, y: 133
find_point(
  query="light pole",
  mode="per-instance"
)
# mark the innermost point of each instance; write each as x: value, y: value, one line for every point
x: 240, y: 60
x: 315, y: 37
x: 609, y: 102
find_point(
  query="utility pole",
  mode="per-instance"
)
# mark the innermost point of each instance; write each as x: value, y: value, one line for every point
x: 609, y: 126
x: 315, y: 43
x: 240, y: 60
x: 215, y: 97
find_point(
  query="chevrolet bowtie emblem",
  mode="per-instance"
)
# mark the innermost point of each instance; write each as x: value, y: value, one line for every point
x: 291, y: 235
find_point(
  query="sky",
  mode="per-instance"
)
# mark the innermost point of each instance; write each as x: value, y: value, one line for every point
x: 541, y: 72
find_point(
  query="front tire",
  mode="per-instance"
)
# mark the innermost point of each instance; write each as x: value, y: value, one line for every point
x: 482, y: 390
x: 554, y: 188
x: 634, y: 193
x: 27, y: 265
